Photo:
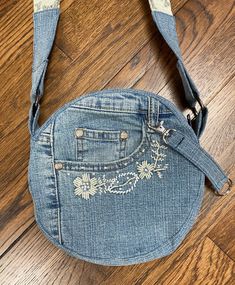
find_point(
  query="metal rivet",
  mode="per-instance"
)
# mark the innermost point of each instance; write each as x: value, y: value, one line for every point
x: 58, y: 166
x: 79, y: 133
x: 124, y: 135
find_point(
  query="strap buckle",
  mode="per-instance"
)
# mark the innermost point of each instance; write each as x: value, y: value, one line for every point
x: 226, y: 189
x: 195, y: 111
x: 199, y: 119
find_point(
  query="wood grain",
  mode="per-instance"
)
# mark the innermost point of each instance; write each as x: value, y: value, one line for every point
x: 206, y: 264
x: 223, y: 234
x: 116, y: 45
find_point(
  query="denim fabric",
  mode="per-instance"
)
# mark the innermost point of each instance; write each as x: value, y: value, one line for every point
x: 129, y: 215
x: 167, y: 28
x: 108, y: 185
x: 45, y: 23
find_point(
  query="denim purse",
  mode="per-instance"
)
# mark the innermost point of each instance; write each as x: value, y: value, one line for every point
x: 117, y: 176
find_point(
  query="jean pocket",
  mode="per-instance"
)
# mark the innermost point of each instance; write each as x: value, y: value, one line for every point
x: 95, y: 138
x: 95, y: 145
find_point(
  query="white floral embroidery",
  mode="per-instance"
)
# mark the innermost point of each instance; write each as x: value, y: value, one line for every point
x: 145, y: 169
x: 124, y: 182
x: 40, y: 5
x: 163, y: 6
x: 85, y: 186
x: 158, y: 156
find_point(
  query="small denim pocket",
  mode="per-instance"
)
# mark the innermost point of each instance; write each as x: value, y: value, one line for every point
x: 100, y: 145
x: 95, y: 138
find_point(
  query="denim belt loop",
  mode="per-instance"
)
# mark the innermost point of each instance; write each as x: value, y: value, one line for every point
x: 153, y: 112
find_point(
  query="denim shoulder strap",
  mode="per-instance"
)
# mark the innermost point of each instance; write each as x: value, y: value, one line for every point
x: 46, y: 15
x: 45, y: 19
x: 165, y: 22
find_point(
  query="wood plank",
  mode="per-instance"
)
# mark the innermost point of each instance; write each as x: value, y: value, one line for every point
x: 206, y: 264
x: 6, y: 5
x: 9, y: 5
x: 80, y: 28
x: 16, y: 24
x: 153, y: 68
x: 223, y: 234
x: 201, y: 55
x: 16, y: 28
x: 14, y: 208
x: 13, y: 128
x: 17, y: 78
x: 99, y: 62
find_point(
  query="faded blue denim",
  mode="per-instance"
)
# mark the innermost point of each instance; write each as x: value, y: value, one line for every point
x: 148, y: 222
x: 117, y: 176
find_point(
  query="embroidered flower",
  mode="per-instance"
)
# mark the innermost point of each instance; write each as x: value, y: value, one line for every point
x: 85, y: 186
x: 145, y: 169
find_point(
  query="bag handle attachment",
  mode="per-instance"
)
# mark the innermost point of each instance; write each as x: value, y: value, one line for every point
x: 192, y: 151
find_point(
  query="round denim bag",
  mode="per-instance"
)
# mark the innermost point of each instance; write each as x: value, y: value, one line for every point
x: 117, y: 177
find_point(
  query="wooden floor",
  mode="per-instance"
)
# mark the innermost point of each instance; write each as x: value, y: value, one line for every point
x: 104, y: 44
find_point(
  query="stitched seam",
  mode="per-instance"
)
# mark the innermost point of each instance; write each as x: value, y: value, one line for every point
x: 41, y: 12
x: 107, y: 109
x: 88, y: 133
x: 100, y: 131
x: 99, y: 139
x: 158, y: 112
x: 35, y: 68
x: 152, y: 111
x: 166, y: 112
x: 56, y: 186
x: 163, y: 101
x: 207, y: 156
x: 210, y: 158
